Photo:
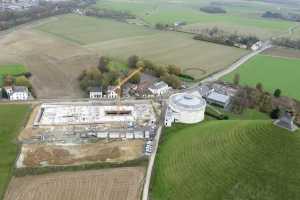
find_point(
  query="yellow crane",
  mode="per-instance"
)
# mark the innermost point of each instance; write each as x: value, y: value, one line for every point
x: 118, y: 88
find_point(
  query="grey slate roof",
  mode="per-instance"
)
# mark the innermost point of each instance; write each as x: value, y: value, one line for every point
x: 158, y: 85
x: 204, y: 90
x: 95, y: 89
x: 221, y: 98
x: 20, y: 89
x: 287, y: 122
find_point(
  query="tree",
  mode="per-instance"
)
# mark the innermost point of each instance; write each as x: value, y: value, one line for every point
x: 148, y: 65
x: 236, y: 79
x: 132, y: 61
x: 82, y: 75
x: 277, y: 93
x: 23, y: 81
x: 172, y: 81
x: 159, y: 71
x: 160, y: 26
x: 103, y: 64
x: 173, y: 69
x: 93, y: 74
x: 136, y: 78
x: 275, y: 114
x: 110, y: 78
x: 141, y: 64
x: 8, y: 80
x: 259, y: 87
x: 265, y: 104
x: 240, y: 101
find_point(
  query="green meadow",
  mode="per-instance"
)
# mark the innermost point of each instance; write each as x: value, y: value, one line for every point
x: 234, y: 159
x: 12, y: 118
x: 272, y: 72
x: 11, y: 69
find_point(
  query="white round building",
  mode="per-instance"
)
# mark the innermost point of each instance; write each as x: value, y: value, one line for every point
x: 185, y: 108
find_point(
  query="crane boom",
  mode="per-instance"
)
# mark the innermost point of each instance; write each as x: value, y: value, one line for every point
x: 122, y: 82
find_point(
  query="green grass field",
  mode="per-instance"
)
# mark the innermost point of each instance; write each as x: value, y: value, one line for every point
x: 12, y: 118
x: 87, y: 30
x: 272, y: 72
x: 228, y: 160
x: 241, y: 16
x: 117, y: 65
x: 11, y: 69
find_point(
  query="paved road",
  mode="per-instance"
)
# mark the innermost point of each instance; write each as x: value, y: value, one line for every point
x: 151, y: 164
x: 237, y: 64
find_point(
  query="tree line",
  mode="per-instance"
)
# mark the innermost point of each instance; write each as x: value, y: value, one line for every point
x: 213, y: 9
x: 103, y: 75
x: 256, y: 98
x: 107, y: 13
x: 219, y: 36
x: 275, y: 15
x: 287, y: 42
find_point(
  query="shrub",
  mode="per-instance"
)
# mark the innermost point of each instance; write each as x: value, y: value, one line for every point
x: 275, y: 113
x: 277, y: 93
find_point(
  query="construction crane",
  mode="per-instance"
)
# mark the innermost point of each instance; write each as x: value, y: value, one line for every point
x: 118, y: 88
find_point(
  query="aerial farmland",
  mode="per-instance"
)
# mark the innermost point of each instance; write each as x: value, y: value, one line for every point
x: 149, y: 100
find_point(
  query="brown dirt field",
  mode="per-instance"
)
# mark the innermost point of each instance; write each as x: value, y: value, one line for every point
x: 283, y: 52
x: 108, y: 184
x: 35, y: 155
x: 54, y: 62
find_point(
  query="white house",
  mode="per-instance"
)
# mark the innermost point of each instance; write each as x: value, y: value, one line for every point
x: 256, y: 46
x: 159, y: 88
x: 16, y: 93
x: 111, y: 92
x: 96, y: 93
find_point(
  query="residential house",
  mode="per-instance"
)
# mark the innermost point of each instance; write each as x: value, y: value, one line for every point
x: 17, y: 93
x: 159, y: 88
x: 95, y: 92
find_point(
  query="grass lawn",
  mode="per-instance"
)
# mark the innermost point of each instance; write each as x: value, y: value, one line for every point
x: 272, y: 72
x: 12, y: 118
x: 11, y: 69
x: 245, y: 159
x: 117, y: 65
x: 86, y: 30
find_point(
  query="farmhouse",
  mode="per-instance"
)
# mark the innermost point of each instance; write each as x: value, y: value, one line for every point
x: 256, y: 46
x: 179, y: 23
x: 95, y: 92
x: 287, y: 122
x: 17, y: 93
x: 185, y: 108
x: 159, y: 88
x: 218, y: 99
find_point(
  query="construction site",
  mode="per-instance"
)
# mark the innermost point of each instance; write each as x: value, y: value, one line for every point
x: 67, y: 133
